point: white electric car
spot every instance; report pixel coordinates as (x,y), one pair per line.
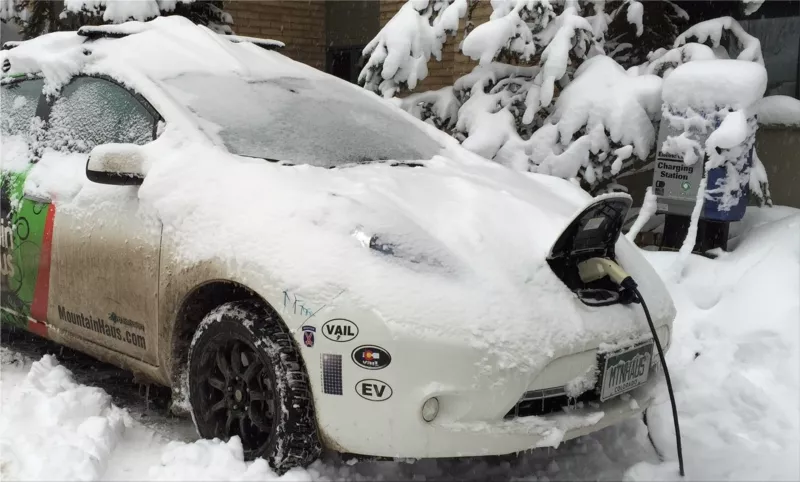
(306,265)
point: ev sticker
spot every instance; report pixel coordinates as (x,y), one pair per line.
(340,330)
(373,390)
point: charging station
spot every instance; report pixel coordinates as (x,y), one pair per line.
(675,185)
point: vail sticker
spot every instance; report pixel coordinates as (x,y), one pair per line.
(371,357)
(373,390)
(340,330)
(308,335)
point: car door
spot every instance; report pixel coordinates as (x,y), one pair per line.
(24,234)
(105,246)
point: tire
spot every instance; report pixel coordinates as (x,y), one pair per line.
(264,397)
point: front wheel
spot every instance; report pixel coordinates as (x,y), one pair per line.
(246,378)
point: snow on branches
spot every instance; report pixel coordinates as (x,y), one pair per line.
(399,55)
(42,16)
(544,96)
(602,119)
(712,31)
(114,11)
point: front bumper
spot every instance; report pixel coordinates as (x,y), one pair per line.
(519,434)
(395,428)
(377,411)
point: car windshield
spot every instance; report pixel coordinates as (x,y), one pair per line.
(321,122)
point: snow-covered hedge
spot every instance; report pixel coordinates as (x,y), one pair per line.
(544,95)
(36,17)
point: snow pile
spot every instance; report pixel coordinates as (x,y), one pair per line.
(735,357)
(52,428)
(778,110)
(76,426)
(215,460)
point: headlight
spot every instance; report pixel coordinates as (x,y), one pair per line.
(401,251)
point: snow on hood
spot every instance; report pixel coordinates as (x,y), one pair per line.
(479,234)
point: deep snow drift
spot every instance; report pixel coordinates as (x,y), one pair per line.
(734,362)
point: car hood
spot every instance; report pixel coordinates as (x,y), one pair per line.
(467,239)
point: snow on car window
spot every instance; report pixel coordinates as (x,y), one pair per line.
(301,120)
(18,105)
(94,111)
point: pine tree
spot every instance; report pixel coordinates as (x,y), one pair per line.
(37,17)
(662,22)
(563,87)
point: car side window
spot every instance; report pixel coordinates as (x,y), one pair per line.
(18,101)
(91,111)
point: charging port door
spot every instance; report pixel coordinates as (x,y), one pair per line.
(593,232)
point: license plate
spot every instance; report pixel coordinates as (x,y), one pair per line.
(625,370)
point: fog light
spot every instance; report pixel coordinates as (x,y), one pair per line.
(430,409)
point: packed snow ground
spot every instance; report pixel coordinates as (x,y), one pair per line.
(734,362)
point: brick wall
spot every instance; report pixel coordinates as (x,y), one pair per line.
(300,24)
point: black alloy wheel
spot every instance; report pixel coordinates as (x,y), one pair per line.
(237,396)
(247,379)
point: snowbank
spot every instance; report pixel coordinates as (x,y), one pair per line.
(735,361)
(76,426)
(52,428)
(778,110)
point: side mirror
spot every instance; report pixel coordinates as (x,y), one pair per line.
(120,164)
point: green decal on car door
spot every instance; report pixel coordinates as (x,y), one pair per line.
(26,226)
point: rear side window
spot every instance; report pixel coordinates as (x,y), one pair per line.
(93,111)
(18,101)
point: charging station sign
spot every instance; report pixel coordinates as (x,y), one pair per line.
(674,182)
(674,179)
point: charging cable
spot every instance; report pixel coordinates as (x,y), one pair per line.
(594,269)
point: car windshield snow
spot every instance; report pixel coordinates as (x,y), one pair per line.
(320,122)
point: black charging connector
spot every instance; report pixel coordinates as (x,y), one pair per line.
(630,284)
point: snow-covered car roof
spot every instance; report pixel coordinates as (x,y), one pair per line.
(161,48)
(250,100)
